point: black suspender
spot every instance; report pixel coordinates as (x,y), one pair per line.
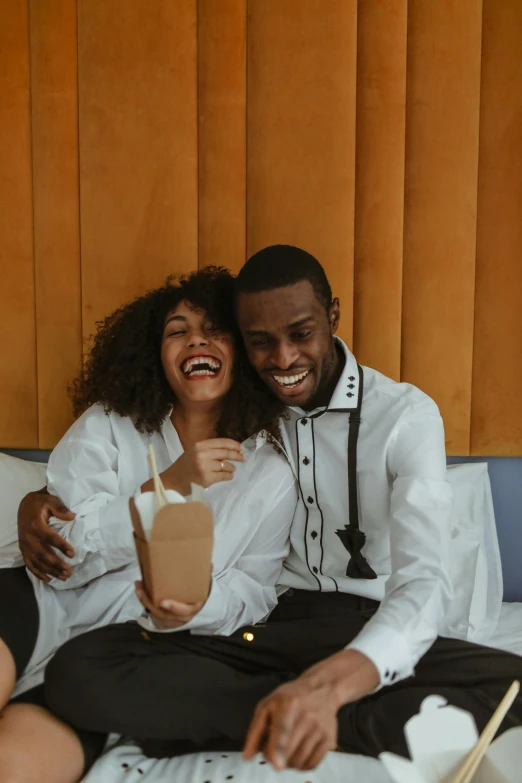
(352,538)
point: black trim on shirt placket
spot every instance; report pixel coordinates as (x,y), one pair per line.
(320,511)
(304,502)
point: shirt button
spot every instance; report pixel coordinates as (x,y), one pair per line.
(314,569)
(351,386)
(387,673)
(393,676)
(310,500)
(351,378)
(304,421)
(313,534)
(306,461)
(349,394)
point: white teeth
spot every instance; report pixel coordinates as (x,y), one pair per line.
(190,366)
(290,380)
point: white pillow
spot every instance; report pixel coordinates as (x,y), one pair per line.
(17,478)
(475,567)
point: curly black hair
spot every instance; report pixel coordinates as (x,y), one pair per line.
(123,369)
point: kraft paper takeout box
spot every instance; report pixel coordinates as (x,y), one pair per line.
(174,546)
(439,739)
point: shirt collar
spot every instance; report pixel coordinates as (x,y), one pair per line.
(346,392)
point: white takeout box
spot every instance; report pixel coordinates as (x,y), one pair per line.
(439,739)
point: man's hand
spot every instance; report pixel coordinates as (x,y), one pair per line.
(169,614)
(296,725)
(37,539)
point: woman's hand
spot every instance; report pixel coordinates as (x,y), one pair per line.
(205,463)
(169,614)
(38,541)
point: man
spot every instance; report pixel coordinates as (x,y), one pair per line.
(351,650)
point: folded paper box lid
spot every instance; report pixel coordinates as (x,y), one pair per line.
(174,546)
(439,739)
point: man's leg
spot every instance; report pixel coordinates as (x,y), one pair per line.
(162,686)
(194,690)
(469,676)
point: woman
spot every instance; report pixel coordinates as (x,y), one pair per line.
(167,370)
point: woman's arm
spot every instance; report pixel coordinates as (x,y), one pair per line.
(83,471)
(243,591)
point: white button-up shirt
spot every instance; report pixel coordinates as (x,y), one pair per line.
(405,505)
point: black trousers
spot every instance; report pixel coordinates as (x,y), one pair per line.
(19,626)
(178,693)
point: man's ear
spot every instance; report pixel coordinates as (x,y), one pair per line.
(335,315)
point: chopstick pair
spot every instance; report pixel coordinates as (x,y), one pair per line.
(471,763)
(159,489)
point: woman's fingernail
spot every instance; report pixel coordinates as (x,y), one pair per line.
(168,605)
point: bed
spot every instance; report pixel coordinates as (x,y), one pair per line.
(123,762)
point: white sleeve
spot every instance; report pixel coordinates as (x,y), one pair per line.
(83,472)
(419,590)
(244,593)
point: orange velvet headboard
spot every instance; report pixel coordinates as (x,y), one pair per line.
(140,138)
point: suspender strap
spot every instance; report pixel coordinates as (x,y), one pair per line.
(353,435)
(352,537)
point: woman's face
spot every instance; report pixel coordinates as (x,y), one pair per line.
(197,360)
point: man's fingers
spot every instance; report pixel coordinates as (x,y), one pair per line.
(52,565)
(36,570)
(315,755)
(52,538)
(302,753)
(280,732)
(256,734)
(58,510)
(300,733)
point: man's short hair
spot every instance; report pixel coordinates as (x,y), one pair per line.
(279,266)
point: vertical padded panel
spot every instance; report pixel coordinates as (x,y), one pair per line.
(18,393)
(138,147)
(379,183)
(497,366)
(56,216)
(301,133)
(222,132)
(442,131)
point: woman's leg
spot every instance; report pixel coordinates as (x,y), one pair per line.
(19,622)
(7,673)
(35,747)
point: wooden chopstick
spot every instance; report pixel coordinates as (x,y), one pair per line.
(159,489)
(470,764)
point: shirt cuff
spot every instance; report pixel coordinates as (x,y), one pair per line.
(387,649)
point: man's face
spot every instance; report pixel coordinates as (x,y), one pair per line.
(289,339)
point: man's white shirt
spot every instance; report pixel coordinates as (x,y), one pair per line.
(405,506)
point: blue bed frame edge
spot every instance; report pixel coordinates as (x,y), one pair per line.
(506,485)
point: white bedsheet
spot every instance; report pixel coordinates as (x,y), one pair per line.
(125,763)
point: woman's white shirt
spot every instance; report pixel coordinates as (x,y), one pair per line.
(99,464)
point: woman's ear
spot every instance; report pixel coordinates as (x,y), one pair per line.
(335,315)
